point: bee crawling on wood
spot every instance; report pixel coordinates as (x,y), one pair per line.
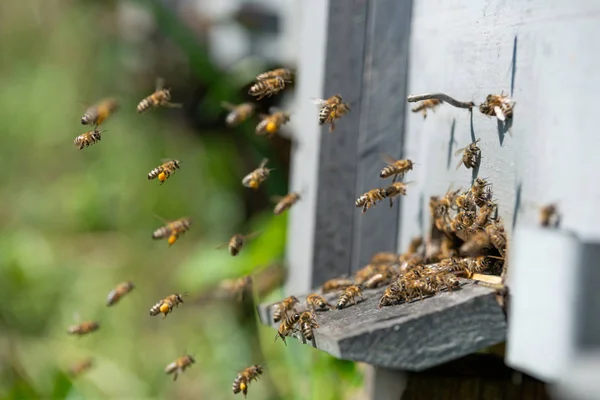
(317,302)
(287,326)
(481,192)
(173,230)
(121,290)
(164,171)
(549,216)
(424,105)
(350,294)
(286,202)
(83,328)
(370,198)
(178,366)
(471,155)
(96,114)
(395,168)
(166,305)
(237,113)
(498,105)
(331,109)
(336,284)
(87,139)
(308,322)
(160,98)
(236,242)
(258,176)
(243,379)
(272,123)
(287,304)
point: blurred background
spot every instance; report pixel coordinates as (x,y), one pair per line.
(77,223)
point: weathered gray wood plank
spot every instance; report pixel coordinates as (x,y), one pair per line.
(413,336)
(338,154)
(381,122)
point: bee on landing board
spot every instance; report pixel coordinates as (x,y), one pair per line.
(172,230)
(287,326)
(160,98)
(317,302)
(331,109)
(308,322)
(272,123)
(258,176)
(431,104)
(395,168)
(349,295)
(164,171)
(471,155)
(80,367)
(282,73)
(498,105)
(236,243)
(178,366)
(370,199)
(83,328)
(166,305)
(287,304)
(237,113)
(243,379)
(286,202)
(336,284)
(96,114)
(121,290)
(87,139)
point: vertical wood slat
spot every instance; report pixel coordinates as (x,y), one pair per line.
(338,155)
(381,122)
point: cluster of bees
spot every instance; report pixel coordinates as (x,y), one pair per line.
(267,84)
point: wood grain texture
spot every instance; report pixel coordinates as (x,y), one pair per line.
(410,337)
(338,150)
(381,122)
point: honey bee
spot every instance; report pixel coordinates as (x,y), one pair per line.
(163,171)
(237,113)
(178,366)
(160,98)
(286,202)
(370,198)
(80,367)
(87,139)
(308,322)
(272,123)
(350,294)
(421,288)
(243,379)
(287,304)
(478,192)
(497,237)
(96,114)
(83,328)
(431,104)
(331,109)
(484,215)
(471,155)
(267,87)
(121,290)
(258,176)
(499,105)
(392,295)
(317,302)
(549,215)
(464,202)
(395,168)
(236,243)
(476,244)
(236,287)
(282,73)
(396,189)
(335,284)
(446,281)
(166,305)
(173,230)
(385,257)
(376,281)
(287,326)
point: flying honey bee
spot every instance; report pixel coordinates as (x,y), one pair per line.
(431,104)
(272,123)
(317,302)
(89,138)
(370,198)
(396,189)
(267,87)
(96,114)
(258,176)
(166,305)
(549,215)
(499,105)
(336,284)
(164,171)
(471,155)
(286,202)
(237,113)
(173,230)
(308,322)
(243,379)
(396,168)
(331,109)
(79,368)
(121,290)
(83,328)
(236,243)
(287,326)
(282,73)
(350,294)
(160,98)
(178,366)
(287,304)
(236,287)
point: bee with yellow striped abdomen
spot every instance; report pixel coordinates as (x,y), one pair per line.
(96,114)
(243,379)
(166,305)
(258,176)
(395,168)
(172,230)
(121,290)
(83,328)
(272,123)
(160,98)
(237,113)
(349,295)
(164,171)
(87,139)
(282,73)
(178,366)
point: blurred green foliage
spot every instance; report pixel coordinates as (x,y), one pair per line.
(76,223)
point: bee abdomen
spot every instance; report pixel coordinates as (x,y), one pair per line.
(87,118)
(307,331)
(154,173)
(387,171)
(324,114)
(344,299)
(236,385)
(145,104)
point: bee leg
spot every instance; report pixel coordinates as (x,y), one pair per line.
(175,376)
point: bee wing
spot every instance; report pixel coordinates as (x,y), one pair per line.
(251,235)
(317,101)
(222,245)
(228,106)
(457,152)
(499,113)
(263,163)
(277,199)
(173,105)
(388,159)
(161,218)
(160,83)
